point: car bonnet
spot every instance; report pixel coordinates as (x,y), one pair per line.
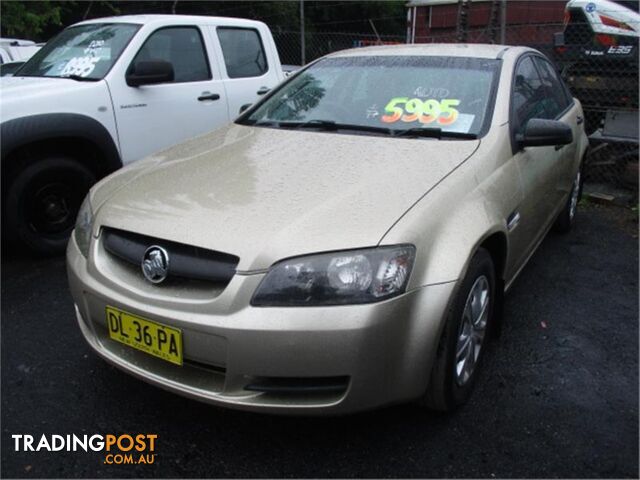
(265,194)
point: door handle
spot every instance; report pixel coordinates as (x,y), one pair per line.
(263,90)
(208,96)
(579,120)
(558,147)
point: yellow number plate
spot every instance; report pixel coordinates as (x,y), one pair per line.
(153,338)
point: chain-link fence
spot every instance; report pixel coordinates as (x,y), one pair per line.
(600,69)
(600,64)
(318,44)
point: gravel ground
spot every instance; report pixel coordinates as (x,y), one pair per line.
(558,396)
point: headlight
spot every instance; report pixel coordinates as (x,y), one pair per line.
(84,225)
(350,277)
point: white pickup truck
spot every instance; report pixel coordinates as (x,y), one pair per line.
(110,91)
(15,50)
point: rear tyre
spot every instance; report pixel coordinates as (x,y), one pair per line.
(464,338)
(42,203)
(567,216)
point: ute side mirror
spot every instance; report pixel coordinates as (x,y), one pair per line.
(149,73)
(539,132)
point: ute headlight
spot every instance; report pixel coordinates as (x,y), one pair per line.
(350,277)
(84,225)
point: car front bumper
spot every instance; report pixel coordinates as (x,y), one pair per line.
(304,360)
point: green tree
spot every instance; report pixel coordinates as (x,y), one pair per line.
(40,20)
(29,19)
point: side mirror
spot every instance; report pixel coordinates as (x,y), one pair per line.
(149,73)
(539,132)
(244,107)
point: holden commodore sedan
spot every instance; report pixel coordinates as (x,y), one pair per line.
(346,243)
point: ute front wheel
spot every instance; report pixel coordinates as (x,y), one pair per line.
(42,203)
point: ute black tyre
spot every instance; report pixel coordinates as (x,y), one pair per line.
(567,216)
(42,202)
(464,337)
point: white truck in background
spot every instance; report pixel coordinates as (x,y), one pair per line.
(15,50)
(109,91)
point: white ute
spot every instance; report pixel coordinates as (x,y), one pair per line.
(15,50)
(106,92)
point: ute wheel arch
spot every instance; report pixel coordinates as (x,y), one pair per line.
(50,160)
(26,139)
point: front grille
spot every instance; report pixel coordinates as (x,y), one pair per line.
(187,261)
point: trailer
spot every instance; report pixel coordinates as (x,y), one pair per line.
(597,55)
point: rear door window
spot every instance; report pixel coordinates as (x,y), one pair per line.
(243,52)
(554,88)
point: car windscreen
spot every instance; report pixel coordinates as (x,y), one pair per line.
(450,94)
(82,52)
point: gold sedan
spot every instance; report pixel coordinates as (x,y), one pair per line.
(345,243)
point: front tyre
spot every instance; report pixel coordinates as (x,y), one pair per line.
(464,337)
(42,203)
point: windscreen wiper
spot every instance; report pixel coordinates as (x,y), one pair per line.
(330,125)
(254,123)
(432,132)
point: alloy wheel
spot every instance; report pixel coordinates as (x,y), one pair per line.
(472,330)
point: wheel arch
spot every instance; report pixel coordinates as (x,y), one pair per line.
(64,133)
(496,244)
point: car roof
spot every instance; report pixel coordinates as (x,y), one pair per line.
(171,20)
(474,50)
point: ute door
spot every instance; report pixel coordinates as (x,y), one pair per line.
(539,168)
(247,74)
(153,117)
